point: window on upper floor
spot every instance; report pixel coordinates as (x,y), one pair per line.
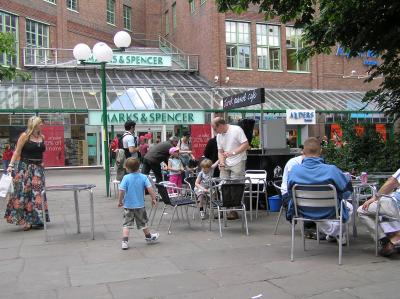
(111,12)
(237,45)
(294,43)
(51,1)
(37,36)
(127,17)
(9,23)
(166,17)
(192,4)
(268,47)
(72,5)
(174,25)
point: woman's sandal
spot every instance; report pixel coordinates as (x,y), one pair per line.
(388,249)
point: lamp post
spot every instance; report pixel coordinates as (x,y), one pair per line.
(102,54)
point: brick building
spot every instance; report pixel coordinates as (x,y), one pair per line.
(254,52)
(212,55)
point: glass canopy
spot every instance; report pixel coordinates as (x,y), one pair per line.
(79,90)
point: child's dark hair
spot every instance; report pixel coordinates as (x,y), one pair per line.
(132,164)
(206,163)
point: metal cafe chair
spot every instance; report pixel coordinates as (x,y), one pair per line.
(258,181)
(277,186)
(184,198)
(316,197)
(231,199)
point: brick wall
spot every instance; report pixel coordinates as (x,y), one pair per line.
(203,33)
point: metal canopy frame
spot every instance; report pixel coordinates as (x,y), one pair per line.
(79,90)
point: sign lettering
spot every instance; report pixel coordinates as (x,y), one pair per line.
(244,99)
(137,60)
(300,117)
(148,117)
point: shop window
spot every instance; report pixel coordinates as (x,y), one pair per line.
(127,17)
(268,47)
(174,24)
(237,45)
(72,5)
(294,43)
(192,5)
(9,23)
(37,39)
(166,17)
(111,12)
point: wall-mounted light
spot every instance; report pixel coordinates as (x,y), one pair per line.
(354,75)
(227,79)
(216,78)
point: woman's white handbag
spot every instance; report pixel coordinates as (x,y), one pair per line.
(5,184)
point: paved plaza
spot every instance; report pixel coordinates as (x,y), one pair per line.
(191,263)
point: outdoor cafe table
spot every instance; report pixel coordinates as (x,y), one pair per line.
(357,188)
(75,188)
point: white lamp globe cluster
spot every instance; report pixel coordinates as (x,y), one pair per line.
(101,51)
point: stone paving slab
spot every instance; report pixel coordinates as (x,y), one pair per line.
(191,263)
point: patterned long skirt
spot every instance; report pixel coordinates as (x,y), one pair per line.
(25,203)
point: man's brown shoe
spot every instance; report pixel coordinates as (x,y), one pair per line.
(387,250)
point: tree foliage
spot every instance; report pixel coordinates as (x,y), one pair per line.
(9,72)
(357,25)
(367,152)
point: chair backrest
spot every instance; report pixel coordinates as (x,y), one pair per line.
(315,197)
(163,192)
(191,180)
(257,176)
(232,193)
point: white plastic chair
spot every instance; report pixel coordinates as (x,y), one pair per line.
(114,182)
(258,179)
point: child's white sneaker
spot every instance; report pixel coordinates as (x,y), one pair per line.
(153,238)
(124,245)
(202,215)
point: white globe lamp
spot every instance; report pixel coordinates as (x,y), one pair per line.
(102,52)
(82,52)
(122,39)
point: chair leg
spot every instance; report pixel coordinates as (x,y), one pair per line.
(292,248)
(245,219)
(277,221)
(317,227)
(340,241)
(258,197)
(170,223)
(162,214)
(347,234)
(302,235)
(219,222)
(187,215)
(225,219)
(155,209)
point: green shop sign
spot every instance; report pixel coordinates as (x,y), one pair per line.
(158,117)
(137,60)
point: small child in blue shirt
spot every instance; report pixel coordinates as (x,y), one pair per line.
(131,197)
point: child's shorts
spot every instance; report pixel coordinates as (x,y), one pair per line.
(135,215)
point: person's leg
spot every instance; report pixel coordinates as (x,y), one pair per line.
(128,223)
(367,217)
(5,166)
(146,167)
(141,223)
(238,171)
(331,228)
(156,168)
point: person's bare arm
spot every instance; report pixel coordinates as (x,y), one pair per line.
(17,153)
(153,196)
(387,188)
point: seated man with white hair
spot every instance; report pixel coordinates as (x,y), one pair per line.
(314,171)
